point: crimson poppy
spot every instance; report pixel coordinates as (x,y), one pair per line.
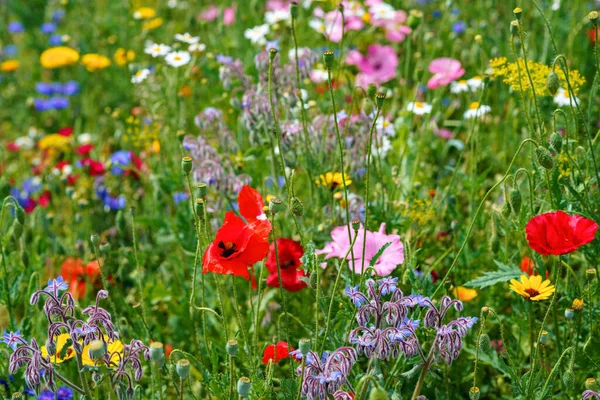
(559,233)
(528,266)
(289,260)
(276,352)
(95,168)
(240,244)
(79,275)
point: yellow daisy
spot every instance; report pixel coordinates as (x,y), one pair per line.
(332,180)
(60,356)
(532,288)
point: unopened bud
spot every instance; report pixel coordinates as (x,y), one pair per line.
(183,368)
(297,207)
(485,309)
(232,347)
(379,98)
(569,378)
(186,165)
(569,313)
(304,345)
(556,141)
(552,83)
(96,377)
(515,200)
(328,58)
(484,343)
(51,347)
(157,352)
(378,393)
(20,215)
(590,274)
(505,210)
(275,205)
(243,386)
(272,53)
(180,135)
(474,393)
(544,157)
(97,349)
(95,239)
(104,247)
(591,384)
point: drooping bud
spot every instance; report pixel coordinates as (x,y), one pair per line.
(96,377)
(16,229)
(569,378)
(186,165)
(515,200)
(556,141)
(20,215)
(97,349)
(474,393)
(378,393)
(183,368)
(544,157)
(379,98)
(297,207)
(51,347)
(484,343)
(304,345)
(328,58)
(157,352)
(232,347)
(518,12)
(505,210)
(243,386)
(552,83)
(275,205)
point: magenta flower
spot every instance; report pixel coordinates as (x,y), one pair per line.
(277,5)
(388,260)
(209,14)
(229,15)
(377,67)
(444,70)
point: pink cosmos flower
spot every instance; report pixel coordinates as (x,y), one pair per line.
(387,262)
(333,23)
(277,5)
(444,70)
(378,67)
(396,30)
(209,14)
(229,15)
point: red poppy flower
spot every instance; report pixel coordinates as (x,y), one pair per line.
(559,233)
(528,266)
(276,352)
(239,244)
(289,261)
(95,168)
(84,149)
(44,199)
(593,33)
(65,131)
(79,276)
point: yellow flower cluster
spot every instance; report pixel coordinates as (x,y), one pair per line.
(95,62)
(58,57)
(509,73)
(419,211)
(123,56)
(141,135)
(10,66)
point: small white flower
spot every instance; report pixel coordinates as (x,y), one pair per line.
(273,17)
(257,34)
(24,142)
(178,58)
(84,138)
(385,127)
(140,76)
(562,98)
(555,5)
(317,24)
(459,86)
(476,110)
(419,108)
(318,75)
(197,48)
(475,83)
(382,11)
(172,3)
(156,49)
(187,38)
(385,145)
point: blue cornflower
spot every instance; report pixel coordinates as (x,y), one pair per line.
(272,45)
(46,395)
(59,103)
(64,393)
(48,28)
(10,50)
(459,27)
(58,15)
(55,40)
(15,27)
(44,88)
(223,59)
(180,197)
(119,159)
(70,88)
(41,105)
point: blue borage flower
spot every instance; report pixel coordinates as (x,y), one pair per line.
(56,285)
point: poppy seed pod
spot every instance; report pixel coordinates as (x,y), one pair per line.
(593,16)
(552,83)
(484,343)
(275,205)
(544,157)
(156,352)
(232,347)
(379,98)
(294,9)
(556,141)
(569,313)
(328,57)
(243,386)
(514,27)
(104,247)
(515,200)
(591,384)
(183,368)
(95,239)
(474,393)
(304,345)
(518,12)
(272,53)
(544,337)
(590,274)
(202,190)
(200,208)
(186,165)
(180,135)
(355,224)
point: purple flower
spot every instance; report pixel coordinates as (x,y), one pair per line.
(55,40)
(41,104)
(590,394)
(180,197)
(46,395)
(10,50)
(387,285)
(119,159)
(64,393)
(459,27)
(12,339)
(274,44)
(48,28)
(222,59)
(15,27)
(59,103)
(44,88)
(70,88)
(328,374)
(58,15)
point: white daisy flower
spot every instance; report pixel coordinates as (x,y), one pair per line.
(318,25)
(84,138)
(419,108)
(385,145)
(257,34)
(187,38)
(197,48)
(562,98)
(476,110)
(172,3)
(459,86)
(273,17)
(140,76)
(178,58)
(156,49)
(24,142)
(385,127)
(382,11)
(475,83)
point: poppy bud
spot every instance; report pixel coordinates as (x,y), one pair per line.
(505,210)
(544,157)
(180,135)
(406,276)
(202,190)
(183,368)
(371,90)
(272,53)
(516,200)
(552,83)
(518,12)
(243,386)
(378,393)
(569,378)
(414,18)
(312,279)
(120,222)
(297,207)
(200,208)
(186,165)
(97,349)
(591,384)
(379,98)
(485,309)
(544,337)
(556,141)
(25,258)
(474,393)
(157,352)
(514,27)
(328,57)
(275,205)
(593,16)
(104,247)
(304,345)
(484,343)
(569,313)
(95,239)
(294,10)
(20,215)
(232,347)
(590,274)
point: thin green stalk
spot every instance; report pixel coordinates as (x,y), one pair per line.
(220,295)
(241,320)
(180,389)
(275,120)
(281,292)
(426,366)
(104,280)
(139,275)
(4,269)
(301,378)
(231,370)
(317,287)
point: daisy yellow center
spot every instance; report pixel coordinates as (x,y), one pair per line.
(418,104)
(566,94)
(177,58)
(474,105)
(462,82)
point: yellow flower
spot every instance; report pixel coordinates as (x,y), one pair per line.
(123,56)
(95,62)
(54,141)
(577,305)
(532,288)
(465,294)
(58,57)
(332,180)
(10,66)
(144,13)
(114,350)
(152,24)
(61,354)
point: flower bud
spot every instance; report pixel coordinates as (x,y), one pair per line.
(552,83)
(297,207)
(104,247)
(569,313)
(200,208)
(414,18)
(304,345)
(544,337)
(505,210)
(272,53)
(590,274)
(514,27)
(568,378)
(355,224)
(51,347)
(17,395)
(97,349)
(20,215)
(591,384)
(96,377)
(379,98)
(371,90)
(157,352)
(202,190)
(515,200)
(484,343)
(294,10)
(183,368)
(95,239)
(485,309)
(328,58)
(275,205)
(593,16)
(544,157)
(186,165)
(474,393)
(180,135)
(556,141)
(16,229)
(232,347)
(518,12)
(243,386)
(577,305)
(378,393)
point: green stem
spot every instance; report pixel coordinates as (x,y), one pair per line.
(426,366)
(241,320)
(281,292)
(139,274)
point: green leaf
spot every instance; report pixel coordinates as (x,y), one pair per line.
(504,274)
(379,253)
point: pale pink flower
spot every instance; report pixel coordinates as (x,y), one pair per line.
(379,66)
(277,5)
(396,30)
(229,15)
(388,260)
(444,70)
(209,14)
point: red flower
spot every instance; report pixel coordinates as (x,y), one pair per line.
(65,131)
(79,275)
(239,245)
(276,352)
(84,149)
(528,266)
(559,233)
(95,168)
(289,261)
(593,33)
(44,199)
(12,146)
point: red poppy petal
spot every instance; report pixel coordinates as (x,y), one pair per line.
(251,203)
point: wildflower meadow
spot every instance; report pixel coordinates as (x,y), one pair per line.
(311,199)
